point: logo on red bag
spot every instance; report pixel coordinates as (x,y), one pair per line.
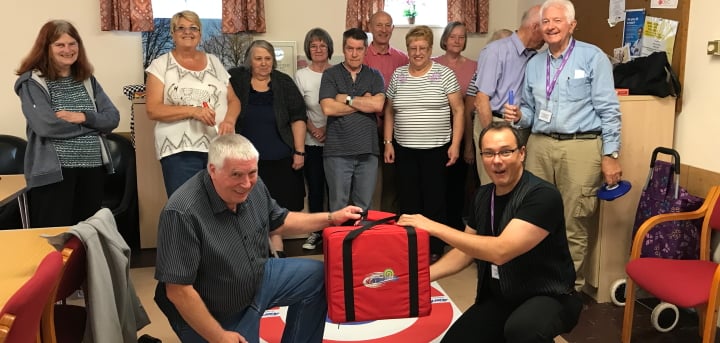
(378,279)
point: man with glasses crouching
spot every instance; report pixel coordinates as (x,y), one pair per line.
(516,235)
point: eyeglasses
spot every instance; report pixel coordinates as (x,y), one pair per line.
(502,153)
(193,29)
(418,48)
(318,47)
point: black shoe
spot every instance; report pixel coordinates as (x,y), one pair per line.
(148,339)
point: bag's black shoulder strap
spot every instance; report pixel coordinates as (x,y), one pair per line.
(677,88)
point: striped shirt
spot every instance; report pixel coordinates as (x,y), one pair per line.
(220,252)
(67,94)
(422,110)
(355,133)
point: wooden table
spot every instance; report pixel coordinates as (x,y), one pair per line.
(13,187)
(21,253)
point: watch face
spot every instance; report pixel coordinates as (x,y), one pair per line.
(615,155)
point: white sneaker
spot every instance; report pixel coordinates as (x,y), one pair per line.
(312,241)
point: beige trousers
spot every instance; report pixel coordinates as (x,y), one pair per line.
(574,167)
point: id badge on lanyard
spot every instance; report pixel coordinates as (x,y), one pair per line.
(545,113)
(494,271)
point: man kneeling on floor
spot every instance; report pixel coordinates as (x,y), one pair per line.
(215,277)
(516,235)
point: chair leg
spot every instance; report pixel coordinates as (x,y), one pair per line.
(629,311)
(709,316)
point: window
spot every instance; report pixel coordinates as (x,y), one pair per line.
(205,9)
(230,48)
(429,12)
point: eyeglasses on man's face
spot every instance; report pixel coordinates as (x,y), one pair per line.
(505,153)
(193,29)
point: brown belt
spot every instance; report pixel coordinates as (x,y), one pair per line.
(579,135)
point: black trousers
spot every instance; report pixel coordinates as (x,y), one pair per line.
(538,319)
(421,183)
(77,197)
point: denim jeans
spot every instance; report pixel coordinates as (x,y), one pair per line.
(294,282)
(351,180)
(178,168)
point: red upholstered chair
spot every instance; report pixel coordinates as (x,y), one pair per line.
(20,317)
(64,322)
(685,283)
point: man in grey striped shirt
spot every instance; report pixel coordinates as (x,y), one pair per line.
(215,277)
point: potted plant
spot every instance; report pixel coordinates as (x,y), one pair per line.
(410,11)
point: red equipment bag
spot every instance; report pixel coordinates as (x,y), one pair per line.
(379,270)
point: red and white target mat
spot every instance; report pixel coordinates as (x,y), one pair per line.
(424,329)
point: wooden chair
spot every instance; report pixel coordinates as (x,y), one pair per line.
(685,283)
(20,317)
(62,322)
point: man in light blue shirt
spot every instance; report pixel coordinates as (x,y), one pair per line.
(570,104)
(500,71)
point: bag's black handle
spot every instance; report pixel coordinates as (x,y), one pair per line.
(354,233)
(676,166)
(666,151)
(348,267)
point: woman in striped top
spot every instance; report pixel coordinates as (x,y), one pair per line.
(423,129)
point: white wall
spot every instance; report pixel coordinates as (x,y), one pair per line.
(698,126)
(117,57)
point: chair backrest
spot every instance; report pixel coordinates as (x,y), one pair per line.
(12,154)
(74,274)
(75,270)
(27,304)
(714,221)
(121,184)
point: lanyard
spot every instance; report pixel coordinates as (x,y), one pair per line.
(550,86)
(492,212)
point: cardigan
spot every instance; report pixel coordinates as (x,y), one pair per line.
(288,102)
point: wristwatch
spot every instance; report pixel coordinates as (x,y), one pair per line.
(389,141)
(614,155)
(348,100)
(299,153)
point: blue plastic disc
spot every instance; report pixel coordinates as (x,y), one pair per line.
(614,192)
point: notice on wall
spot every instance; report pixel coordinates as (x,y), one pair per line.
(633,32)
(659,35)
(664,4)
(286,56)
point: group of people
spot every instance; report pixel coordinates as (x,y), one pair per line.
(234,146)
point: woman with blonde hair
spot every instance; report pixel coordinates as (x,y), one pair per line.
(190,97)
(423,130)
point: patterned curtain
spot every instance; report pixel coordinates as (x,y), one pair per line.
(243,16)
(126,15)
(473,13)
(359,11)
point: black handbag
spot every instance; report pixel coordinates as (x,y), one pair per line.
(649,75)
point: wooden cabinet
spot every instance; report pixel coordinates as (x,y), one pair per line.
(647,122)
(151,187)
